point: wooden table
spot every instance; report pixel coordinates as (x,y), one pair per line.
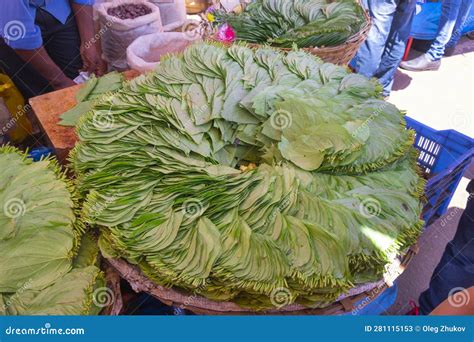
(48,107)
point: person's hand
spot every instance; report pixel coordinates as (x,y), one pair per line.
(62,82)
(90,45)
(92,61)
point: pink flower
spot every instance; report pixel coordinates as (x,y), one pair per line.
(225,33)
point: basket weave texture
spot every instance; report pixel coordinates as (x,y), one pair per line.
(342,54)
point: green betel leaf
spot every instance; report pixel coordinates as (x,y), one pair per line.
(88,253)
(92,91)
(71,295)
(39,257)
(86,89)
(72,116)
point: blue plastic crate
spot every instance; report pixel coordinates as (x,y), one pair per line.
(375,306)
(38,153)
(444,157)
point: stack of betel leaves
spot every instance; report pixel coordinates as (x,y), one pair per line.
(304,23)
(91,92)
(47,263)
(232,173)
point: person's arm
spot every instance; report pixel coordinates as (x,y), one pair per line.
(459,304)
(40,61)
(90,45)
(20,32)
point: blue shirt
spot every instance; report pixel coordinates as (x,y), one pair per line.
(17,20)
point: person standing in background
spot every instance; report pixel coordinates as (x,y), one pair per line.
(45,43)
(454,14)
(380,55)
(451,287)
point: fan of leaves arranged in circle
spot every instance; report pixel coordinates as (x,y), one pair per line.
(47,262)
(231,172)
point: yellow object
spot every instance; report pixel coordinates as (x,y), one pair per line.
(210,17)
(196,6)
(249,167)
(19,127)
(238,9)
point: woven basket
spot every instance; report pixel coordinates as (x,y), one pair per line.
(200,305)
(340,54)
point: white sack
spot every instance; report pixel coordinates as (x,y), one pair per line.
(118,34)
(173,13)
(144,53)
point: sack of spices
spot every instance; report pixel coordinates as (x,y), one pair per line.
(123,21)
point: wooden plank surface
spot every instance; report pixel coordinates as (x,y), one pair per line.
(48,107)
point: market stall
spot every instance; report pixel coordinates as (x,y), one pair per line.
(245,173)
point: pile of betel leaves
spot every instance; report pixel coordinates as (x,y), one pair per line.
(47,262)
(232,172)
(304,23)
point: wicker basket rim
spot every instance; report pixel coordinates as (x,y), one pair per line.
(196,303)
